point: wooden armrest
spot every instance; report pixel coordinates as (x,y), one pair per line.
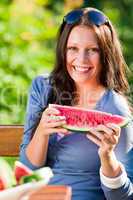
(10,139)
(51,192)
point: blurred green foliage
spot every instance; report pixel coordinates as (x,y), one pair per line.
(27,45)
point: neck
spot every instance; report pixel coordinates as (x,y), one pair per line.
(89,94)
(93,87)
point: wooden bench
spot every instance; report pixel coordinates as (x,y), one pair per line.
(51,193)
(10,139)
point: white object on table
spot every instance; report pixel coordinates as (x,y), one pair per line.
(16,193)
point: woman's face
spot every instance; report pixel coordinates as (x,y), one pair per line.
(83,55)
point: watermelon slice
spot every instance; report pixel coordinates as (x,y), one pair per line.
(24,174)
(1,185)
(21,170)
(43,173)
(7,178)
(29,178)
(80,119)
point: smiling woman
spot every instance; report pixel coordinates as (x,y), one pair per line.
(83,64)
(83,56)
(89,72)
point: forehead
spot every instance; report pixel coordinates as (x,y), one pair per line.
(82,34)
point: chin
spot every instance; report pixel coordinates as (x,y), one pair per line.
(80,80)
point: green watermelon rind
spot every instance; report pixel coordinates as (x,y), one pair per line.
(39,174)
(124,120)
(75,128)
(29,178)
(124,123)
(127,121)
(87,129)
(6,174)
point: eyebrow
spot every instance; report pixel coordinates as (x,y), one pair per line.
(75,44)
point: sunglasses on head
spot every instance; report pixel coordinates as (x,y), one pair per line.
(94,17)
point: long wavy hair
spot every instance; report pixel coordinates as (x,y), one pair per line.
(113,72)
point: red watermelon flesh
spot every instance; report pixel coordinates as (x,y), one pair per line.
(1,185)
(80,119)
(21,170)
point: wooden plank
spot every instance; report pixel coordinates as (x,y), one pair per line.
(51,192)
(10,139)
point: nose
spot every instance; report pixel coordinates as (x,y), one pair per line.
(81,58)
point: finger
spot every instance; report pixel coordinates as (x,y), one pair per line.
(59,130)
(104,129)
(93,139)
(96,133)
(111,140)
(55,124)
(108,142)
(49,111)
(116,129)
(54,118)
(63,131)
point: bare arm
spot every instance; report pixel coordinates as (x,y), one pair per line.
(107,137)
(36,151)
(109,165)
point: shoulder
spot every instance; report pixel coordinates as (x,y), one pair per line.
(41,89)
(118,104)
(41,83)
(40,80)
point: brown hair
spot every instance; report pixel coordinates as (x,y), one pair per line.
(113,72)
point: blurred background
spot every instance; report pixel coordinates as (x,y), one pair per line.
(28,31)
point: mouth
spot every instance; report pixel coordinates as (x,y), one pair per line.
(82,69)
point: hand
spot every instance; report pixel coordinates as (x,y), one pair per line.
(106,137)
(52,122)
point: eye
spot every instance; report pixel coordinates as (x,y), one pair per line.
(72,48)
(93,50)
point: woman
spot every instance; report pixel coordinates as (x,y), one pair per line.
(90,73)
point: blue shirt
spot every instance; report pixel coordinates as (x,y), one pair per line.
(74,158)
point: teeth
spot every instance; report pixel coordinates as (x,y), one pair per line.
(81,69)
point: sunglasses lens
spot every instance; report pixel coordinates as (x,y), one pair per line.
(73,16)
(97,18)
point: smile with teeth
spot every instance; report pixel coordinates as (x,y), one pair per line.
(81,69)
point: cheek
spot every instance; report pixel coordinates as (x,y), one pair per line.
(70,57)
(96,60)
(68,62)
